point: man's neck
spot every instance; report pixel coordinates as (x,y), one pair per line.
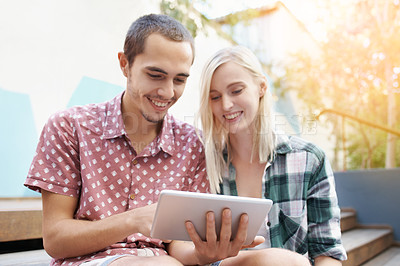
(141,135)
(140,131)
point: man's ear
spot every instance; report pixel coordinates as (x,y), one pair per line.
(123,63)
(263,87)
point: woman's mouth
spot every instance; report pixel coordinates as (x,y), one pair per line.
(232,116)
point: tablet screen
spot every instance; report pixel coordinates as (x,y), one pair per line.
(176,207)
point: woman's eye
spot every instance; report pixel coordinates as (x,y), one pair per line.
(214,98)
(237,91)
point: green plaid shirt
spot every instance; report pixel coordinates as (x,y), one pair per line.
(305,216)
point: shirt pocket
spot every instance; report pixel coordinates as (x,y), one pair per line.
(293,229)
(173,182)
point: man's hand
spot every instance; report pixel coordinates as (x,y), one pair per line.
(143,218)
(213,249)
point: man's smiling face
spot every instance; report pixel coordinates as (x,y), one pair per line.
(157,78)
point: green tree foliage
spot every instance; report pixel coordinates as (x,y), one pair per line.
(355,71)
(183,11)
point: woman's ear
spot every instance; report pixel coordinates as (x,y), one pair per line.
(123,63)
(263,87)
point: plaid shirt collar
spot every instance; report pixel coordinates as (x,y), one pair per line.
(283,144)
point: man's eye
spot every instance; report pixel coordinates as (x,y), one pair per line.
(154,76)
(180,81)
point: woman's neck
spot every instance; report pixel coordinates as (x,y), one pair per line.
(249,170)
(242,147)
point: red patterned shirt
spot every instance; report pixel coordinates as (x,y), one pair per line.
(84,152)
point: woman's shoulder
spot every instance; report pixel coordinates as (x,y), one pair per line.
(295,144)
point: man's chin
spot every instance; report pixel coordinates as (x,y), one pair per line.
(155,119)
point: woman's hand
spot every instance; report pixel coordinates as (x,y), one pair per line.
(213,249)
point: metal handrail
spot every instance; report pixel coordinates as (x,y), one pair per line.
(360,120)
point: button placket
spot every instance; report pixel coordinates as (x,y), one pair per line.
(132,195)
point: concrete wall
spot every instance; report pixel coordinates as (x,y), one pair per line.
(375,194)
(55,54)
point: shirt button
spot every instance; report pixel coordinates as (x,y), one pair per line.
(132,196)
(269,223)
(135,161)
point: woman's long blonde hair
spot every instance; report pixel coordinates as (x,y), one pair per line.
(215,137)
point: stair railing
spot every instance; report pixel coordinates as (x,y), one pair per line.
(360,120)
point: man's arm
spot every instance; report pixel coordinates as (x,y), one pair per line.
(64,236)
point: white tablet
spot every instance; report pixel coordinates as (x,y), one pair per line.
(176,207)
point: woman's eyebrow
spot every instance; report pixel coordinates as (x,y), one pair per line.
(234,84)
(229,86)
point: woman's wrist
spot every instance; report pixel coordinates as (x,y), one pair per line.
(183,251)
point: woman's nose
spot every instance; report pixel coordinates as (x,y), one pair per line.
(227,103)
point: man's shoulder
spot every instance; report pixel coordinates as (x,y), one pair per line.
(81,112)
(89,113)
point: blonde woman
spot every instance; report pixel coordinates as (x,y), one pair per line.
(246,158)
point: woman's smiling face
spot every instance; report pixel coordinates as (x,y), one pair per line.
(234,97)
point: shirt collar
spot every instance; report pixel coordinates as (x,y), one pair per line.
(166,138)
(114,127)
(283,144)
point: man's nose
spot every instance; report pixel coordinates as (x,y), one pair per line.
(167,90)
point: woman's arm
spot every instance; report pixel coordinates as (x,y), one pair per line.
(326,261)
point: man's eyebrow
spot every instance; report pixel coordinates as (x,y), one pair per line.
(157,69)
(183,74)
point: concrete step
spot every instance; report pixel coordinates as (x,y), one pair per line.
(348,219)
(31,258)
(26,215)
(390,257)
(20,219)
(366,242)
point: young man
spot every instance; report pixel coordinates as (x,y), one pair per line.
(101,167)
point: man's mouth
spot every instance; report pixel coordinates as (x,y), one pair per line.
(159,104)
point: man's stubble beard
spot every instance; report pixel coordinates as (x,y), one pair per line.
(150,119)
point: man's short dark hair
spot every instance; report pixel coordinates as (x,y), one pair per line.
(164,25)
